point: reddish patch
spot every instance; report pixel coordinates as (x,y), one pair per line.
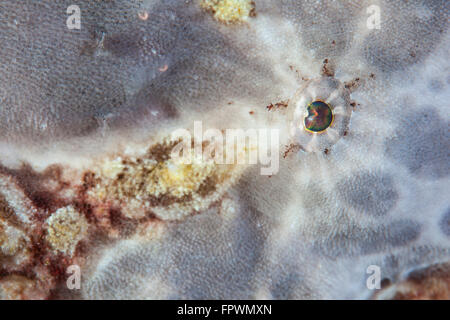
(278,105)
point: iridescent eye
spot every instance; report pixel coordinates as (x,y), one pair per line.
(319,116)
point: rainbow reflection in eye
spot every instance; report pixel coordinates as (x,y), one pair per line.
(319,116)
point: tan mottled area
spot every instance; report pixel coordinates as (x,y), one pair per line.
(432,283)
(65,228)
(378,196)
(168,186)
(12,240)
(17,287)
(14,245)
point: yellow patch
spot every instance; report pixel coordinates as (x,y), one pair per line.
(158,183)
(229,11)
(65,228)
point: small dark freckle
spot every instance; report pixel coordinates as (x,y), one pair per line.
(345,133)
(253,10)
(385,282)
(333,42)
(231,102)
(326,151)
(351,85)
(327,70)
(353,104)
(372,76)
(251,112)
(413,54)
(89,180)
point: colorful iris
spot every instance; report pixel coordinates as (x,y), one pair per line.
(319,116)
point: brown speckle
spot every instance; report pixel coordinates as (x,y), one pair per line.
(352,85)
(281,104)
(291,148)
(432,283)
(327,69)
(253,10)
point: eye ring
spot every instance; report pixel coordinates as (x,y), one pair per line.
(334,98)
(320,109)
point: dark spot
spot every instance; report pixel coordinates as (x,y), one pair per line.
(284,285)
(445,223)
(436,85)
(359,241)
(385,283)
(369,193)
(422,143)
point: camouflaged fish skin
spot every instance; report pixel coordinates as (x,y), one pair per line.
(86,176)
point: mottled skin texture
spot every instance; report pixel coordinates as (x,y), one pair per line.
(378,196)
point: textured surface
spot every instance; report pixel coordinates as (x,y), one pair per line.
(377,196)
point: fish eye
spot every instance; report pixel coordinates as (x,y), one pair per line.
(321,112)
(319,117)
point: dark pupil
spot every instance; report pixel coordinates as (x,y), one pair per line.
(319,116)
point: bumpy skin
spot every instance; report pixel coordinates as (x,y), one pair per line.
(377,196)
